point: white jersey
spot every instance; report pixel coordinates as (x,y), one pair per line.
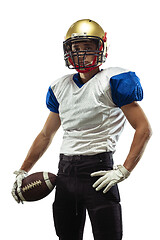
(91,121)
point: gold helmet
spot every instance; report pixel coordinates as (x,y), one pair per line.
(85,30)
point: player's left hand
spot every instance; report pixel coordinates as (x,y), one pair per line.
(109,178)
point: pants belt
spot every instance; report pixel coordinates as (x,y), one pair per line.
(105,155)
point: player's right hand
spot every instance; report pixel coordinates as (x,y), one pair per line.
(20,175)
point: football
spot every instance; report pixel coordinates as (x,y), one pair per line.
(37,186)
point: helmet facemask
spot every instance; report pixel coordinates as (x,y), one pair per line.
(76,59)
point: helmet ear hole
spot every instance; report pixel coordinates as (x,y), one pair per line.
(105,37)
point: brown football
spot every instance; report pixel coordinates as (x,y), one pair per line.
(37,186)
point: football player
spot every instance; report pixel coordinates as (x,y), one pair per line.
(92,106)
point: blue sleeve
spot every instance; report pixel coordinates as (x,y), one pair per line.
(51,101)
(126,88)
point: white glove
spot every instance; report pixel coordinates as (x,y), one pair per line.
(20,175)
(110,178)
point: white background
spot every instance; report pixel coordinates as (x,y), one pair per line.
(31,57)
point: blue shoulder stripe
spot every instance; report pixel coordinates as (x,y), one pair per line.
(126,88)
(51,101)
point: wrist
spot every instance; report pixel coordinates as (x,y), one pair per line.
(124,171)
(20,171)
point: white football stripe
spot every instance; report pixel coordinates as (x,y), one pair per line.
(47,180)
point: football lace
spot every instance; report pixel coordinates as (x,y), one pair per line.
(32,185)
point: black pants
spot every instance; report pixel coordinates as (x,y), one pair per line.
(75,194)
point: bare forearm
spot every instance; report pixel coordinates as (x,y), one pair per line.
(42,141)
(139,143)
(37,149)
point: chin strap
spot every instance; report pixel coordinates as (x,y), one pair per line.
(87,69)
